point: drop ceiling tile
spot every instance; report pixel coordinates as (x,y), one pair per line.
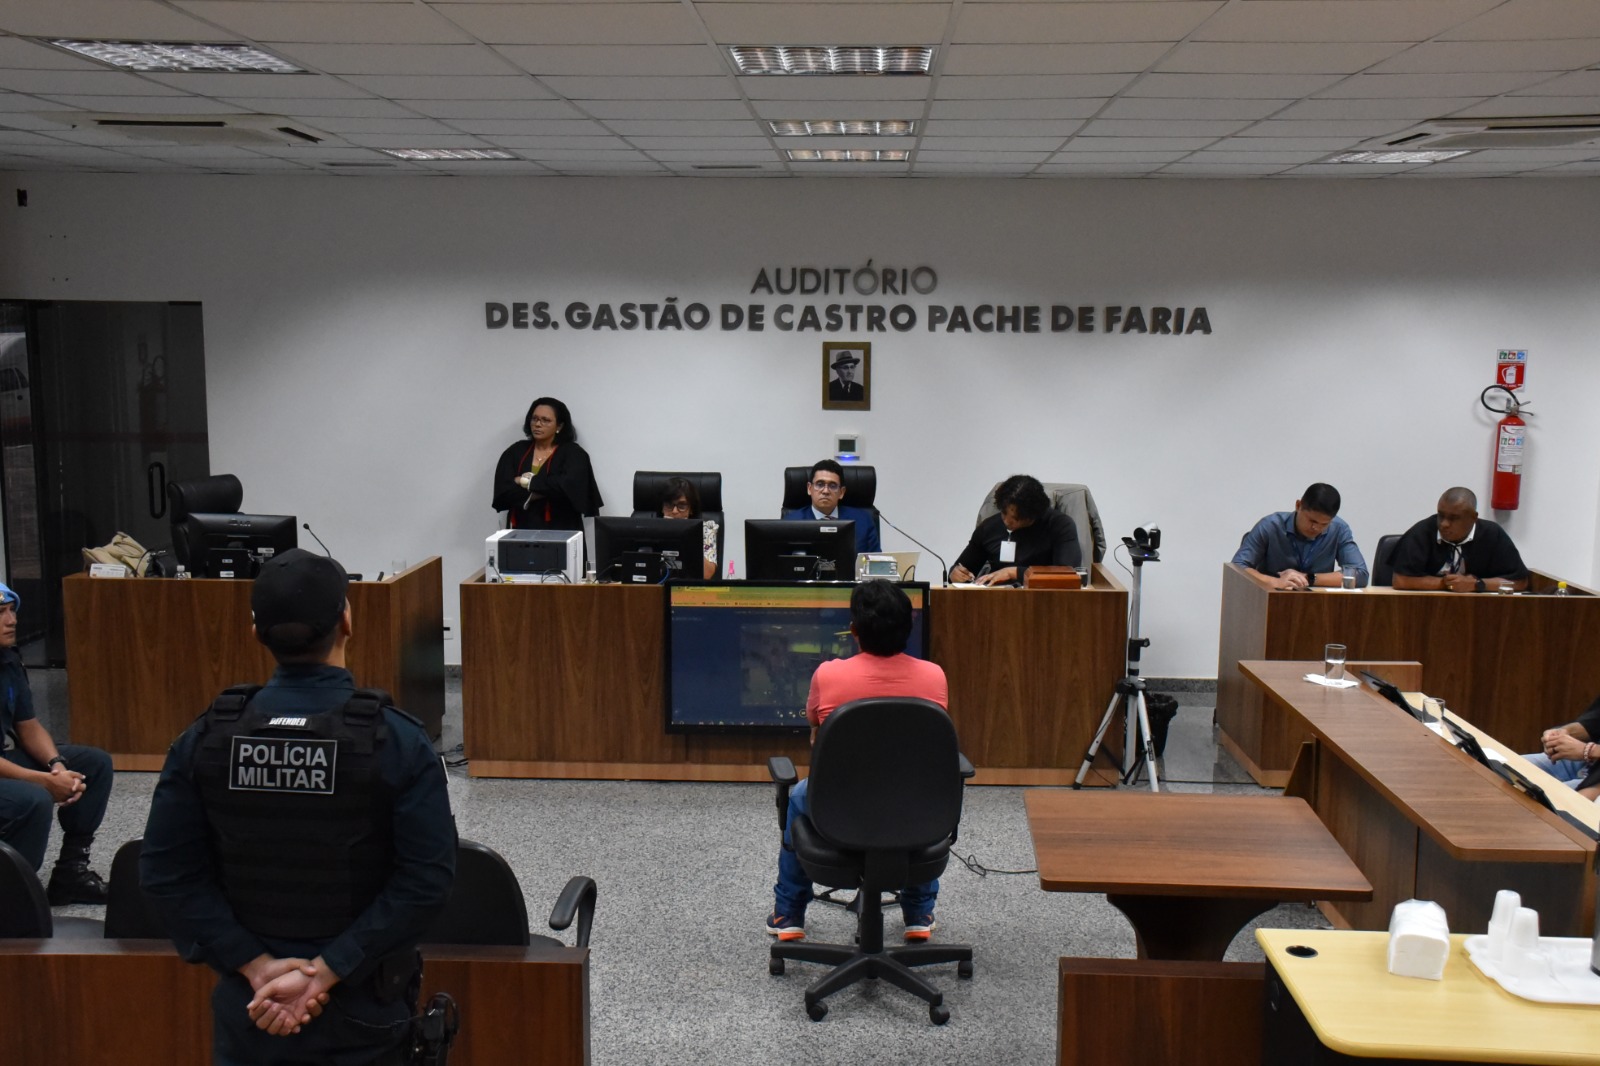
(978,145)
(1507,106)
(747,155)
(591,23)
(1354,128)
(1576,169)
(415,140)
(1153,159)
(1014,59)
(451,87)
(1339,20)
(1238,170)
(1174,128)
(1032,23)
(620,166)
(600,143)
(805,23)
(21,102)
(974,170)
(259,86)
(144,20)
(943,156)
(1146,108)
(1354,170)
(1577,83)
(617,59)
(577,88)
(536,127)
(148,105)
(397,58)
(676,128)
(1355,110)
(19,54)
(851,88)
(77,154)
(1012,110)
(515,109)
(754,143)
(11,139)
(1231,86)
(1098,170)
(1032,87)
(1531,156)
(1277,158)
(1200,57)
(326,154)
(1525,20)
(667,109)
(1443,57)
(836,109)
(349,108)
(1136,144)
(1000,128)
(327,21)
(1385,86)
(82,82)
(340,124)
(1320,145)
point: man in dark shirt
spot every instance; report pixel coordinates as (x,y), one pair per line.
(300,842)
(38,776)
(1456,551)
(1027,532)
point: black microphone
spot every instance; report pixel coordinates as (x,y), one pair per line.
(307,527)
(944,571)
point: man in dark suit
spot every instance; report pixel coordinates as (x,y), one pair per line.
(826,489)
(844,386)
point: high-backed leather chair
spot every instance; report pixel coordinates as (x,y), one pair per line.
(217,494)
(129,913)
(882,809)
(24,910)
(486,904)
(1383,559)
(860,488)
(1077,503)
(649,485)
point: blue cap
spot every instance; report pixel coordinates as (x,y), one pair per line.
(7,596)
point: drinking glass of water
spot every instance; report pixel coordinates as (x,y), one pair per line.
(1333,662)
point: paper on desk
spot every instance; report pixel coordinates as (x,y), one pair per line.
(1343,682)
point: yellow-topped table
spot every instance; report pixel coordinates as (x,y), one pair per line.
(1355,1009)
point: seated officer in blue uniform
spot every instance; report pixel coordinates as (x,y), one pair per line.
(300,842)
(39,776)
(826,489)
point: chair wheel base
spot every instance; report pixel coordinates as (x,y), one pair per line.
(775,967)
(938,1014)
(964,969)
(819,1011)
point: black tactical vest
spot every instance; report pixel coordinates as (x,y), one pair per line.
(301,820)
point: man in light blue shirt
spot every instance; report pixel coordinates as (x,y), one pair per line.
(1304,547)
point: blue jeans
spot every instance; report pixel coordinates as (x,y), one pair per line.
(1567,771)
(793,891)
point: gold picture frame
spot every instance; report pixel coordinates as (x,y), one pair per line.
(846,376)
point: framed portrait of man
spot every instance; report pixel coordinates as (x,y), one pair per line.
(846,376)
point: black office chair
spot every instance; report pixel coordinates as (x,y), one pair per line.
(860,489)
(24,910)
(883,806)
(648,486)
(486,904)
(1383,559)
(129,912)
(217,494)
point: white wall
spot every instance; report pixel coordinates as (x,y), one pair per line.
(351,379)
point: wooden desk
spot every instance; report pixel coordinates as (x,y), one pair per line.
(1344,1005)
(135,1003)
(567,681)
(147,656)
(1188,870)
(1420,818)
(1514,664)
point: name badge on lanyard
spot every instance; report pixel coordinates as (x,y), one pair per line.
(1008,551)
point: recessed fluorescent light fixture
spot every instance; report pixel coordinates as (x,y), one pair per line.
(848,155)
(425,155)
(1395,157)
(195,57)
(893,127)
(831,59)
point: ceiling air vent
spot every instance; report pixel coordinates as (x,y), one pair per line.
(1533,131)
(244,131)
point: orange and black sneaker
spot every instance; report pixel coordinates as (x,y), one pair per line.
(785,928)
(919,927)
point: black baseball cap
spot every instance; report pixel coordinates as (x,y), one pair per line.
(297,599)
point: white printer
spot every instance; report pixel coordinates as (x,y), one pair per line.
(533,556)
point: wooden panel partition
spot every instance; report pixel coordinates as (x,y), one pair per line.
(1114,1012)
(135,1003)
(1515,665)
(148,655)
(568,681)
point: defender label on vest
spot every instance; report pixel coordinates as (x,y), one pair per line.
(281,764)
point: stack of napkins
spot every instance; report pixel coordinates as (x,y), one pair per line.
(1419,940)
(1343,682)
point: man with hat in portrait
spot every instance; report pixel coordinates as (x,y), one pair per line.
(300,842)
(843,385)
(39,776)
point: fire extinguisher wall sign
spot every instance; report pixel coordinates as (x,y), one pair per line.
(1512,365)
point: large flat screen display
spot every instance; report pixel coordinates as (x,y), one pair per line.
(740,656)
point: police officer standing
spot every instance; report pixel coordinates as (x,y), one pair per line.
(300,841)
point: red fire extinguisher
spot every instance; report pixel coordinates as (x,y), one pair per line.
(1510,434)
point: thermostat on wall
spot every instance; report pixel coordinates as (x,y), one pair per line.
(847,447)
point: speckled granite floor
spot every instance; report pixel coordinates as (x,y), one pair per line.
(679,969)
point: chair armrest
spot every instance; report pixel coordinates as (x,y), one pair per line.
(781,769)
(575,901)
(967,769)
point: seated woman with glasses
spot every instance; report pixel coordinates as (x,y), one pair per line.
(546,481)
(826,489)
(680,499)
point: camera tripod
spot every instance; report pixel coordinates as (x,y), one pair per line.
(1138,751)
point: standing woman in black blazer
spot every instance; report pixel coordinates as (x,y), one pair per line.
(546,480)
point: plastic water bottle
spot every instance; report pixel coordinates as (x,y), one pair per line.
(182,572)
(1562,590)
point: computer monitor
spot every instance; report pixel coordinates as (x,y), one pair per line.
(740,655)
(235,545)
(648,550)
(795,549)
